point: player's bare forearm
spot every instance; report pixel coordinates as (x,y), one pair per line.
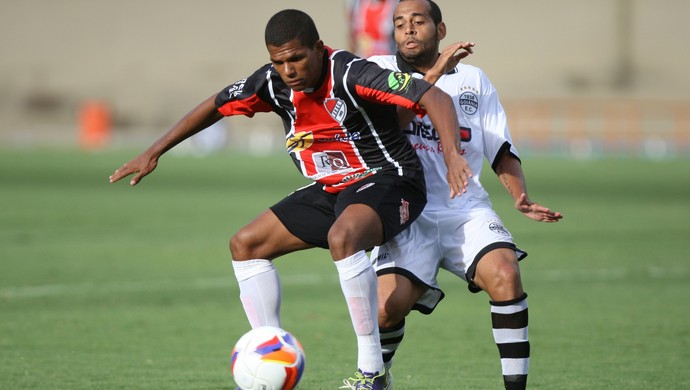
(510,174)
(202,116)
(442,113)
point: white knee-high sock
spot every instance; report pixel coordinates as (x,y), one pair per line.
(358,282)
(260,291)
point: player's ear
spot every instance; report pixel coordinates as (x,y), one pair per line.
(441,28)
(319,47)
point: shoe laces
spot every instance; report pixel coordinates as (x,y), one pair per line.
(360,381)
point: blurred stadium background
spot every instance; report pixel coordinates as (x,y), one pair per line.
(577,78)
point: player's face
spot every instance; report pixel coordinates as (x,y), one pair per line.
(299,66)
(415,34)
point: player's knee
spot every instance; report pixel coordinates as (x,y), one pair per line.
(507,273)
(243,245)
(391,312)
(389,318)
(340,243)
(504,282)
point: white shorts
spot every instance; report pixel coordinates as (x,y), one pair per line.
(449,239)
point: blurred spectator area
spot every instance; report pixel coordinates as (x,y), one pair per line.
(582,77)
(592,127)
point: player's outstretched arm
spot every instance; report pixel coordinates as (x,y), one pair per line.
(201,117)
(445,120)
(509,171)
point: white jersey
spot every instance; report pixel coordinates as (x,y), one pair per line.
(483,133)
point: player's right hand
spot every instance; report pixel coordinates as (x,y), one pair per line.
(141,166)
(458,175)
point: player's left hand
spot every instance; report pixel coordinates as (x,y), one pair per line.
(536,211)
(451,56)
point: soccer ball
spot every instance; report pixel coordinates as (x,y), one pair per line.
(267,358)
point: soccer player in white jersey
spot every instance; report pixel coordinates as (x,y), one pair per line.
(462,235)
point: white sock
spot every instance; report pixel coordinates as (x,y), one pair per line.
(259,291)
(358,282)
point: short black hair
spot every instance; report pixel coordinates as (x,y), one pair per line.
(291,24)
(434,12)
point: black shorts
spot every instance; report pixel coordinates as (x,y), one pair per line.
(309,212)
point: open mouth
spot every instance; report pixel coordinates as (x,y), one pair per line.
(411,44)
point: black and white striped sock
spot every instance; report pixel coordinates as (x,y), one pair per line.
(509,320)
(390,341)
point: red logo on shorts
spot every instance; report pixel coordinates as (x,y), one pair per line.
(404,211)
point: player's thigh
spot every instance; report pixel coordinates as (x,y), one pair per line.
(264,238)
(308,214)
(396,201)
(357,228)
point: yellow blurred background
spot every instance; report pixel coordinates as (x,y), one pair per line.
(578,78)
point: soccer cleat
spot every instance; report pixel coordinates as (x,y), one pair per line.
(366,381)
(388,380)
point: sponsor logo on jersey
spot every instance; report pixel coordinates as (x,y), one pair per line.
(360,175)
(497,227)
(330,161)
(404,211)
(381,256)
(354,136)
(428,132)
(336,108)
(469,103)
(236,88)
(299,142)
(465,134)
(364,187)
(399,81)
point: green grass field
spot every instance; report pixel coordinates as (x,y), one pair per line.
(110,287)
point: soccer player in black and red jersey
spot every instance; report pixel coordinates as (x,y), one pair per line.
(341,126)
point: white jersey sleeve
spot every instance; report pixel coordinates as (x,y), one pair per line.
(493,123)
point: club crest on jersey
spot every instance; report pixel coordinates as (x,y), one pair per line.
(469,103)
(299,141)
(236,88)
(399,81)
(497,227)
(336,108)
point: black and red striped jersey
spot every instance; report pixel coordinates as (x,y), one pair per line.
(343,130)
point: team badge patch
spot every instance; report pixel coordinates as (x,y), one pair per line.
(399,81)
(469,103)
(336,108)
(299,142)
(497,227)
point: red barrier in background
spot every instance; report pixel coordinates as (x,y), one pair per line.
(95,124)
